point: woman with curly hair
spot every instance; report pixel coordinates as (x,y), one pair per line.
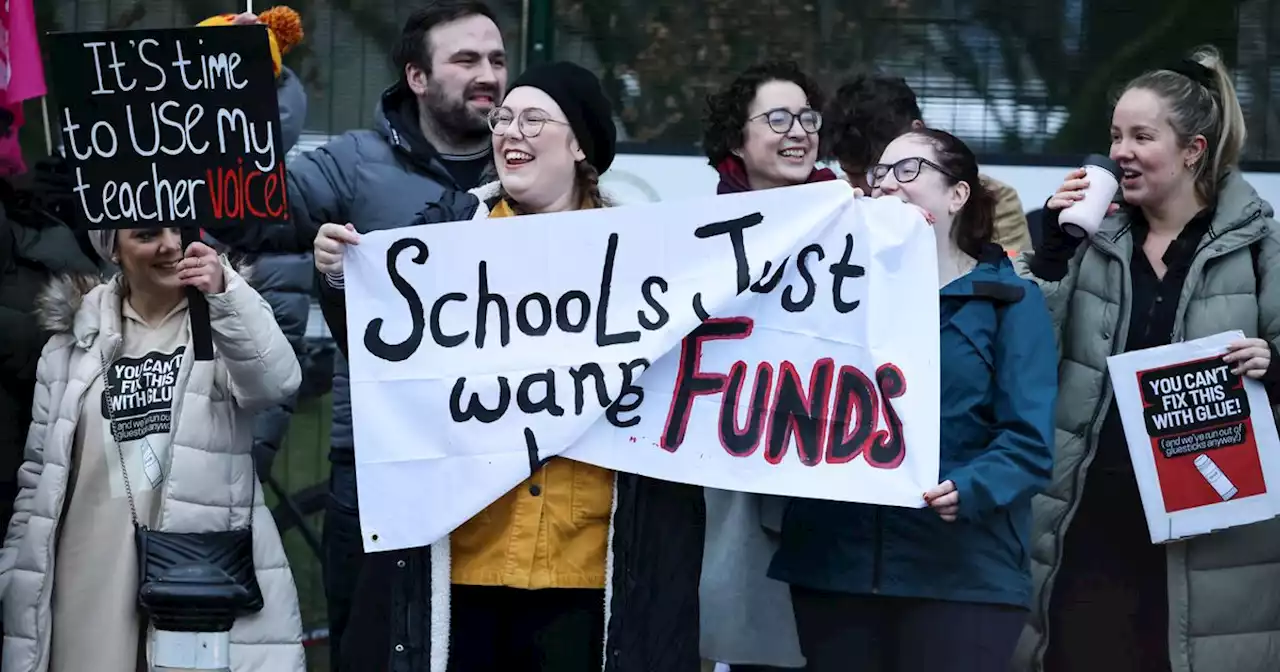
(760,132)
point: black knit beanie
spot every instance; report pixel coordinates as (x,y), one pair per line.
(578,92)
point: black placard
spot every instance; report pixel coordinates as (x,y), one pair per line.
(176,127)
(1194,406)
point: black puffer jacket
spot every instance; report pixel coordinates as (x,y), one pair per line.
(33,248)
(656,560)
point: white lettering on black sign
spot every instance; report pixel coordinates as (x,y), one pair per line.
(166,127)
(1194,407)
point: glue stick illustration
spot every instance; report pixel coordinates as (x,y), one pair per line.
(1226,489)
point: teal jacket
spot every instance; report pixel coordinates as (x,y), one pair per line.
(999,385)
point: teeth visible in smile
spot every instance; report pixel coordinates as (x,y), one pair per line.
(516,155)
(794,152)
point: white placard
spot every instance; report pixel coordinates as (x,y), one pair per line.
(480,348)
(1202,440)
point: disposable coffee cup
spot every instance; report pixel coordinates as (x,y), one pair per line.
(1082,218)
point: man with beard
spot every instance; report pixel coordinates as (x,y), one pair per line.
(430,137)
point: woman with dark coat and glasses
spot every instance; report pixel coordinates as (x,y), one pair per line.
(761,132)
(888,589)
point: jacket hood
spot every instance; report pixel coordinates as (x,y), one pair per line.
(60,300)
(396,120)
(993,278)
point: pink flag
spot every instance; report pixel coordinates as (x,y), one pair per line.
(23,72)
(21,77)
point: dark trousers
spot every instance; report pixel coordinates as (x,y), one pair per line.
(495,629)
(863,633)
(343,555)
(1110,606)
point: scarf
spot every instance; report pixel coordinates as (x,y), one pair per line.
(504,209)
(733,176)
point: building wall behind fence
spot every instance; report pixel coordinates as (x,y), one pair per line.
(1014,78)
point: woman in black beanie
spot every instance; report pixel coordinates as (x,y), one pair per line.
(577,568)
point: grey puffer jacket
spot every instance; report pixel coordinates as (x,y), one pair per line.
(287,282)
(376,179)
(1224,588)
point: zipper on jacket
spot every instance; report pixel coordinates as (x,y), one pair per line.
(42,660)
(1095,427)
(1077,490)
(877,542)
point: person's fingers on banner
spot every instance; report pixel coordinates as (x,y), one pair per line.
(244,19)
(1250,357)
(928,216)
(202,269)
(945,500)
(329,245)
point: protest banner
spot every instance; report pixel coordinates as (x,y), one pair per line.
(170,127)
(781,341)
(1202,440)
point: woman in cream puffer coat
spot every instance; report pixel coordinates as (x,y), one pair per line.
(203,480)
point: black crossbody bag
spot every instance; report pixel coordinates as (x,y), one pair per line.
(189,581)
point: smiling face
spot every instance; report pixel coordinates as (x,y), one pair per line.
(1144,143)
(467,76)
(930,189)
(775,159)
(538,172)
(149,258)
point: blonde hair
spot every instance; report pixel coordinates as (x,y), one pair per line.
(1205,106)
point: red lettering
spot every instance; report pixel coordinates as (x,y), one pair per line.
(853,420)
(248,194)
(270,190)
(796,413)
(215,191)
(690,382)
(231,189)
(284,192)
(889,446)
(744,442)
(825,427)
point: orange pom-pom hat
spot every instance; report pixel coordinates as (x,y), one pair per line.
(284,30)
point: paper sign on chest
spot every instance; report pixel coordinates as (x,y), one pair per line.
(1202,439)
(782,341)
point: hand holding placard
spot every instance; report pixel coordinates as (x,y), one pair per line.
(1201,436)
(1250,357)
(202,269)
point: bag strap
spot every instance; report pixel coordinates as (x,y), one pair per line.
(109,402)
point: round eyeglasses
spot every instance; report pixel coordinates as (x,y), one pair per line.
(530,121)
(904,171)
(781,120)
